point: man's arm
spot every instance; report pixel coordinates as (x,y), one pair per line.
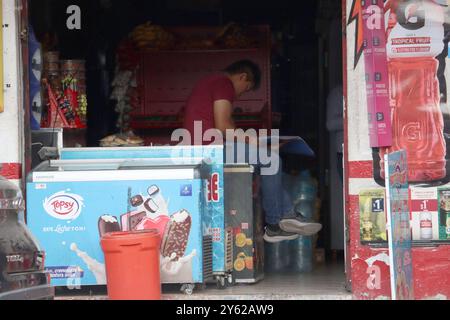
(223,116)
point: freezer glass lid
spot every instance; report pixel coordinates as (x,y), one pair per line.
(159,163)
(83,165)
(121,164)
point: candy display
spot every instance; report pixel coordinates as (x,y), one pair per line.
(64,82)
(62,110)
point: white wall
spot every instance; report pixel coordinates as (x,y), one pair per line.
(11,120)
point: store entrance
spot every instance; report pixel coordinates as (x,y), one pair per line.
(119,62)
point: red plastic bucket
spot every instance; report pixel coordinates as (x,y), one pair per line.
(132,265)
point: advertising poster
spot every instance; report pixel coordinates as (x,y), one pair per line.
(415,41)
(373,215)
(444,213)
(399,231)
(401,50)
(424,214)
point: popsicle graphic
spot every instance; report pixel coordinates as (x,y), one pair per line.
(107,224)
(93,265)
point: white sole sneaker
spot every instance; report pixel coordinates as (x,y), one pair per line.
(301,228)
(276,239)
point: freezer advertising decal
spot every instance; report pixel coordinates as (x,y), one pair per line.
(213,188)
(400,254)
(64,206)
(69,225)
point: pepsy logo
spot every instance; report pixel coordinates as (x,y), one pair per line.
(64,206)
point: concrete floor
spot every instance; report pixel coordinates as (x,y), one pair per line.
(324,283)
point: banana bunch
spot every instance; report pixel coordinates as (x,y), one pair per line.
(152,36)
(82,105)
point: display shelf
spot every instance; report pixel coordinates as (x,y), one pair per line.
(166,79)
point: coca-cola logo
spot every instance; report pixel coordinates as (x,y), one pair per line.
(64,206)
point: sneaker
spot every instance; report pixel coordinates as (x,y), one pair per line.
(300,225)
(274,234)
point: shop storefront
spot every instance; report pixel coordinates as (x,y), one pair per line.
(108,109)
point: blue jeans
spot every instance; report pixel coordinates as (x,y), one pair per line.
(277,203)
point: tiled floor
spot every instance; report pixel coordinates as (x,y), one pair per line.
(324,283)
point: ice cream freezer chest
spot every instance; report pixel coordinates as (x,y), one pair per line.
(71,204)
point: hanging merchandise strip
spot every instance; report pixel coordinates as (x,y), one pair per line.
(377,81)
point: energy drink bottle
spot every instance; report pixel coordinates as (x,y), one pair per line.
(415,38)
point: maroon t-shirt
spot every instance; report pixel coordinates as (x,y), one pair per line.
(200,106)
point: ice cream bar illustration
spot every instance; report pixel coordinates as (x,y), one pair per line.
(176,236)
(131,220)
(107,224)
(153,190)
(151,206)
(159,223)
(136,201)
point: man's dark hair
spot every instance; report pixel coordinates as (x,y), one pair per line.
(250,68)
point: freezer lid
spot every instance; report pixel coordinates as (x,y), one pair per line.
(116,175)
(115,164)
(161,163)
(117,170)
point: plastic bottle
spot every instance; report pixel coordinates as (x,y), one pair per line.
(304,194)
(426,226)
(413,43)
(276,256)
(301,255)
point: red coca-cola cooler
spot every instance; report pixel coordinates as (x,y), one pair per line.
(412,43)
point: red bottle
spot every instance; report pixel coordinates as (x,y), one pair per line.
(417,120)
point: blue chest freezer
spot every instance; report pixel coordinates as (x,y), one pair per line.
(72,203)
(213,156)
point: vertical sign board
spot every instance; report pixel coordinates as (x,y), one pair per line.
(400,255)
(1,58)
(377,79)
